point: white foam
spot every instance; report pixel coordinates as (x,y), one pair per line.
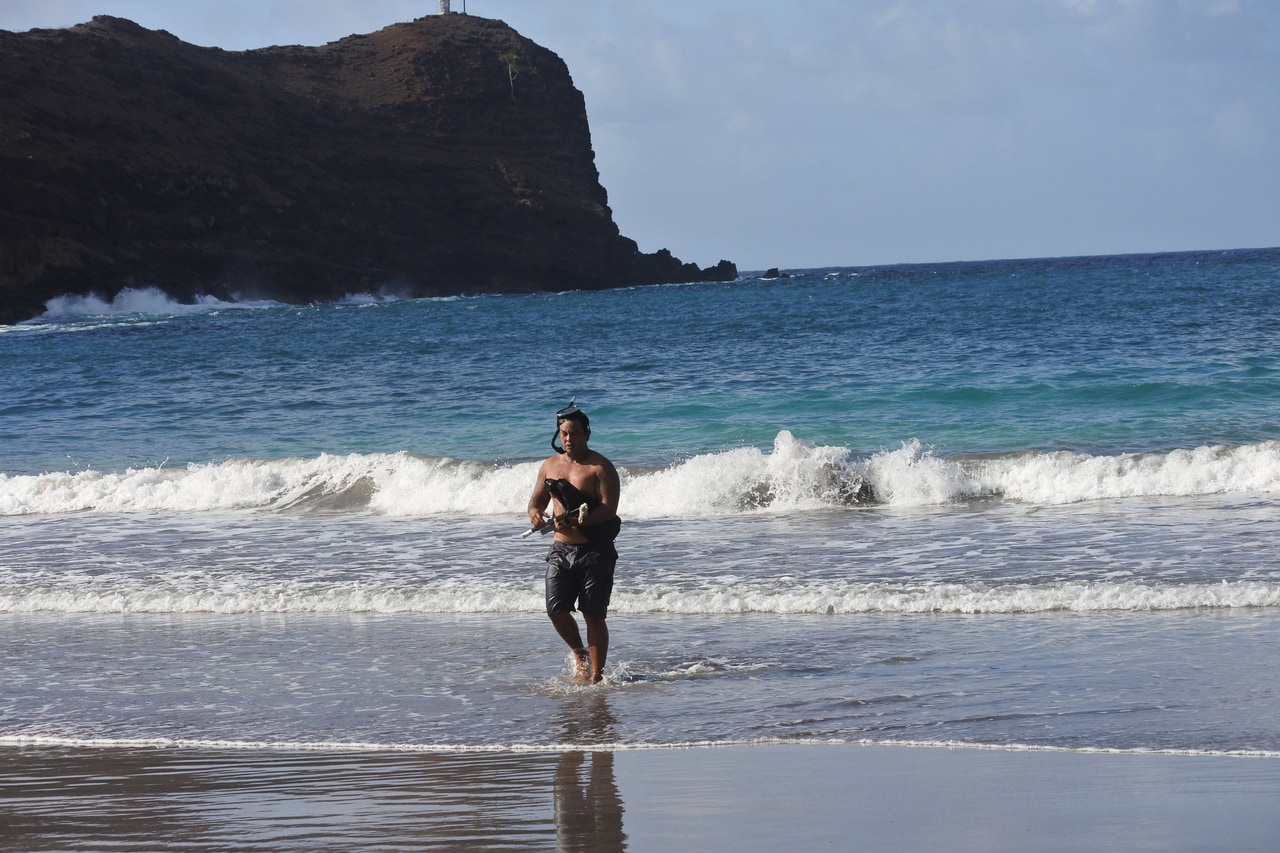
(192,594)
(131,301)
(1057,478)
(844,598)
(206,592)
(422,486)
(796,476)
(224,745)
(911,476)
(395,484)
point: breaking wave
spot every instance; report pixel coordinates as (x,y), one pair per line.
(793,476)
(214,593)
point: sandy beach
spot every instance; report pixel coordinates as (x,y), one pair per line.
(736,798)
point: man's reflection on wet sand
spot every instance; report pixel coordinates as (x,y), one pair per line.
(588,804)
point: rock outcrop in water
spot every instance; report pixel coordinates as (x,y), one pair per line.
(447,155)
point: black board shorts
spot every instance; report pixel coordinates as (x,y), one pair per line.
(580,577)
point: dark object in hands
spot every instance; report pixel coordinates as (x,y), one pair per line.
(572,499)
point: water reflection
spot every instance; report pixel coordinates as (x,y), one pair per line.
(588,803)
(206,800)
(81,798)
(587,719)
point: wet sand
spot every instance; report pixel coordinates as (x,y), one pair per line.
(738,798)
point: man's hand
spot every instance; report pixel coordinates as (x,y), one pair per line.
(572,518)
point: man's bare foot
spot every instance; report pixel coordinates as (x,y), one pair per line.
(581,665)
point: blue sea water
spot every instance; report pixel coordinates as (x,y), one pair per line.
(1017,503)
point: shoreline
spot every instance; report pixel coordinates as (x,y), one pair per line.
(711,798)
(21,742)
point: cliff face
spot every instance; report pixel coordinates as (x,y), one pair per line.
(442,156)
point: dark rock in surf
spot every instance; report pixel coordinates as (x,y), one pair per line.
(407,161)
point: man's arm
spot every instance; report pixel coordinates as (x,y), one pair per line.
(608,488)
(540,498)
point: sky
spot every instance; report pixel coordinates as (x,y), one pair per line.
(813,133)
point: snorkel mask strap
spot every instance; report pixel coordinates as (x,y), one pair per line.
(561,417)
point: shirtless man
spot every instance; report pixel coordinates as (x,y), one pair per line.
(581,559)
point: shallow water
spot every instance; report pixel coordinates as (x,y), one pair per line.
(1182,681)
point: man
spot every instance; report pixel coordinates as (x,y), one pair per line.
(581,560)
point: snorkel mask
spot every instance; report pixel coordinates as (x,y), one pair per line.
(570,412)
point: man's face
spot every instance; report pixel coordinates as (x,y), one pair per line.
(573,436)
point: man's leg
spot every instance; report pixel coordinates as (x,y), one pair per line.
(567,627)
(597,645)
(562,590)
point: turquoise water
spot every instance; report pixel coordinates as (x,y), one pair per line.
(1013,502)
(1102,355)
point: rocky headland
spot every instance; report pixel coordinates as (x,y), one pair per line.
(442,156)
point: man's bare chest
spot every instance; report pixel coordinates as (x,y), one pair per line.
(585,478)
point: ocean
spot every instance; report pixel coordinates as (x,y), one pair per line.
(1023,504)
